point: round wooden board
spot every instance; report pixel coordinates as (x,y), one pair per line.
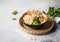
(42,29)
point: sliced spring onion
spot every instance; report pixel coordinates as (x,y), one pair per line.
(14,18)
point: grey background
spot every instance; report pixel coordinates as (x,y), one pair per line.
(10,30)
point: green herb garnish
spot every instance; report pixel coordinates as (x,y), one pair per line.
(36,20)
(14,18)
(14,12)
(54,12)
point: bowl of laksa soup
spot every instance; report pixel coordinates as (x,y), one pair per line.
(34,18)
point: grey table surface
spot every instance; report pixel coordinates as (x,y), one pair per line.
(10,30)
